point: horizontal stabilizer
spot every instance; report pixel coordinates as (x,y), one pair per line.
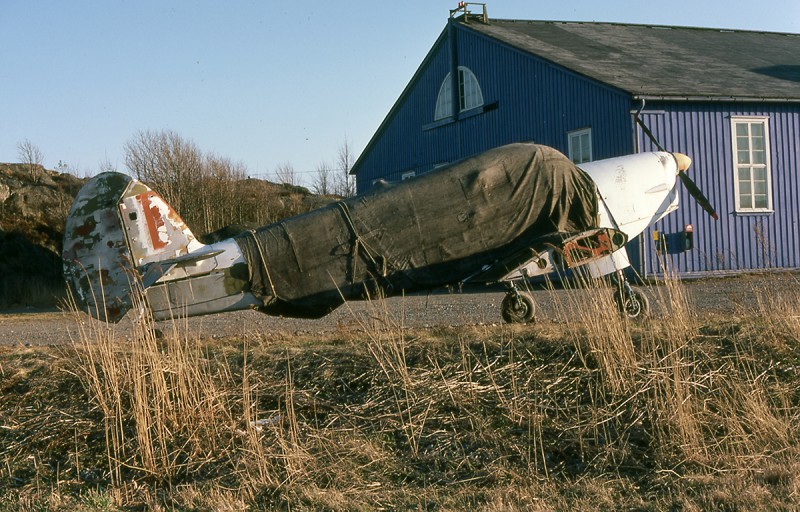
(152,272)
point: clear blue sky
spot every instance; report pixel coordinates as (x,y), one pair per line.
(260,82)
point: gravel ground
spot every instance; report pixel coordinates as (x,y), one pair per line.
(720,297)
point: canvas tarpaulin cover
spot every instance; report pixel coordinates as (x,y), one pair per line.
(436,229)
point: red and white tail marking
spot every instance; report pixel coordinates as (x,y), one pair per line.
(155,231)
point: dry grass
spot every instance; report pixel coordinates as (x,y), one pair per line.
(591,412)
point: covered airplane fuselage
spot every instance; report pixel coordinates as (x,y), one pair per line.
(423,233)
(440,228)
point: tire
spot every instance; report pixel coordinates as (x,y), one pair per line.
(518,308)
(636,306)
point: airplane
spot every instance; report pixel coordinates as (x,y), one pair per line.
(504,216)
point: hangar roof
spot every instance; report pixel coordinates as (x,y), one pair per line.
(652,61)
(662,61)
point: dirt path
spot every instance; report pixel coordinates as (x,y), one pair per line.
(723,297)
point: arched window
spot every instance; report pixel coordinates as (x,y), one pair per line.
(469,94)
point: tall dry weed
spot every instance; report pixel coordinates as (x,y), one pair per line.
(388,342)
(388,409)
(719,409)
(600,334)
(255,468)
(698,410)
(777,300)
(668,365)
(163,408)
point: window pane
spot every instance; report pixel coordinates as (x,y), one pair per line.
(462,101)
(469,90)
(745,201)
(743,143)
(471,94)
(751,147)
(580,146)
(586,149)
(444,102)
(743,156)
(741,130)
(744,174)
(758,142)
(745,188)
(574,149)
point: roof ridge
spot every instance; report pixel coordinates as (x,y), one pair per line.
(644,25)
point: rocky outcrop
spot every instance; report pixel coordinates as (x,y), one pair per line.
(33,209)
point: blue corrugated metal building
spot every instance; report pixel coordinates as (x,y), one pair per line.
(729,99)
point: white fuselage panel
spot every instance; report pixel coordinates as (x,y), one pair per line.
(637,190)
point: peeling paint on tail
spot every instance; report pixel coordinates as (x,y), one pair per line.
(96,258)
(155,231)
(115,226)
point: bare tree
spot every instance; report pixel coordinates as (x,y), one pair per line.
(345,184)
(221,204)
(322,180)
(172,165)
(285,173)
(107,166)
(210,192)
(66,168)
(30,155)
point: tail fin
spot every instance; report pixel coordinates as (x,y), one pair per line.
(116,226)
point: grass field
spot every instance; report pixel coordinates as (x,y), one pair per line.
(591,412)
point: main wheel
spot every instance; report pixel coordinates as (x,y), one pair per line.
(518,308)
(635,305)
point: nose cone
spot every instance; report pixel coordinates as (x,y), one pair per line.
(683,161)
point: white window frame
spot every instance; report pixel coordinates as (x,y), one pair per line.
(470,95)
(575,150)
(748,166)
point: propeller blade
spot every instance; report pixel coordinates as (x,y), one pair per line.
(683,162)
(697,194)
(648,132)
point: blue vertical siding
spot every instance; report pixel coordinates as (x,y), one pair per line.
(737,242)
(525,99)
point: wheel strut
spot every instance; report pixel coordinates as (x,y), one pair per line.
(517,306)
(631,302)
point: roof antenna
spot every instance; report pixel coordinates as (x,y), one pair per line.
(462,8)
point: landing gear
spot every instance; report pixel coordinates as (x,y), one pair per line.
(518,307)
(631,302)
